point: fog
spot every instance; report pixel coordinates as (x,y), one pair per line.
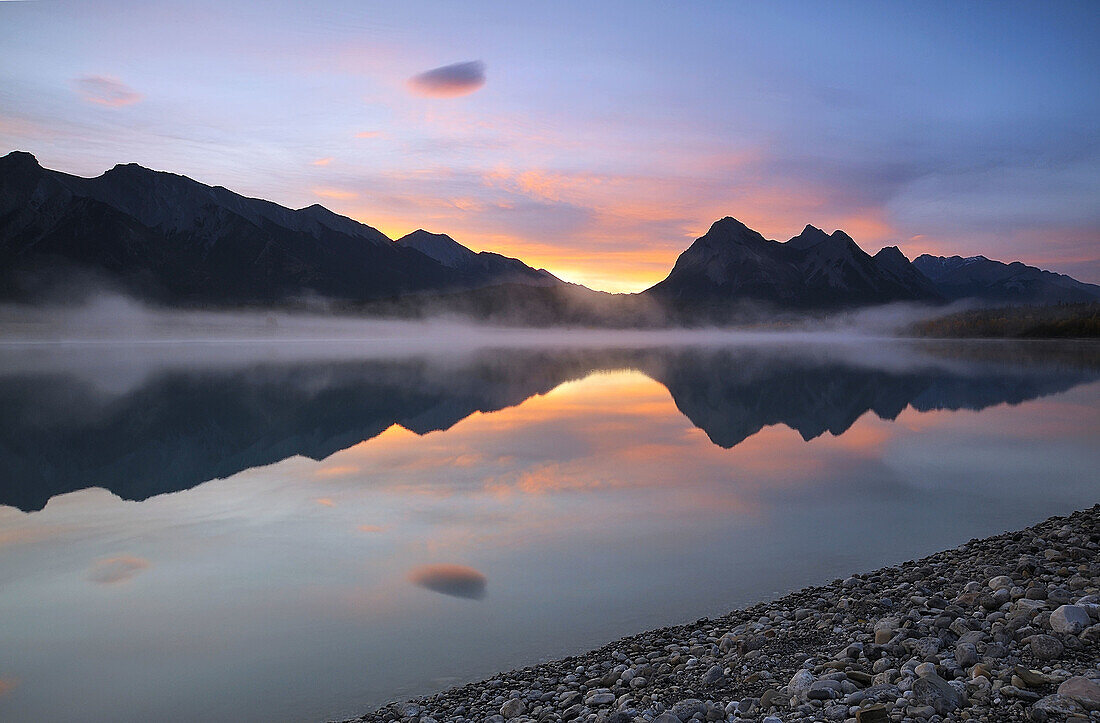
(113,318)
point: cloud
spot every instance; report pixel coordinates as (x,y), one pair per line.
(335,193)
(453,580)
(369,134)
(322,161)
(450,80)
(104,90)
(111,570)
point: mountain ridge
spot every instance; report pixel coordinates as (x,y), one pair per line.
(171,239)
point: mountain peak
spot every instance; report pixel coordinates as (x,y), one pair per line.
(438,246)
(729,230)
(810,236)
(893,253)
(19,159)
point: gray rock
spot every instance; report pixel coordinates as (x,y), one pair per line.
(1069,619)
(966,654)
(667,718)
(1084,691)
(687,708)
(1059,705)
(1046,647)
(513,708)
(800,684)
(715,674)
(597,699)
(935,692)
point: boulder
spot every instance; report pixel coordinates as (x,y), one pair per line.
(1071,619)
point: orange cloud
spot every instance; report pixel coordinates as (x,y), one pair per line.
(371,528)
(7,685)
(334,193)
(325,501)
(336,471)
(369,134)
(322,161)
(105,90)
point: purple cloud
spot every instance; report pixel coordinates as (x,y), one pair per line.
(104,90)
(450,80)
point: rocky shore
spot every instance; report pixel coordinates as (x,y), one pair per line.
(1001,629)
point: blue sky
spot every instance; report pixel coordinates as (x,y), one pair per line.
(595,139)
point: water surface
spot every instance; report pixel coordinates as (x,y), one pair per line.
(255,532)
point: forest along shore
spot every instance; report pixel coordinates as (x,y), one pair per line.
(1001,629)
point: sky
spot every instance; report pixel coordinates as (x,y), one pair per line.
(596,140)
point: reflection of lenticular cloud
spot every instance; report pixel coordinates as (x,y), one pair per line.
(454,580)
(450,80)
(111,570)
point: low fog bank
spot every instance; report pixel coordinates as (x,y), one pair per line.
(114,319)
(116,343)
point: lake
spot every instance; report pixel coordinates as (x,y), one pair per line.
(302,530)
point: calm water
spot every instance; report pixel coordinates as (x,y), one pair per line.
(302,532)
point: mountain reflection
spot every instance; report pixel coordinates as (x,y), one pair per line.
(63,430)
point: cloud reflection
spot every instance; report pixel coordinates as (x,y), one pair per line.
(453,580)
(112,570)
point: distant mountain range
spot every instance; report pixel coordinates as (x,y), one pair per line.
(815,270)
(172,240)
(994,281)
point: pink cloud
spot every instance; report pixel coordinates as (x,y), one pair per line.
(369,134)
(335,193)
(322,161)
(105,90)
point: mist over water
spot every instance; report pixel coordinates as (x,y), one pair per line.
(107,318)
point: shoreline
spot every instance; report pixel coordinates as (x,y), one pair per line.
(1005,628)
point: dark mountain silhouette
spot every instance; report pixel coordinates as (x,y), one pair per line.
(980,278)
(181,428)
(814,270)
(168,238)
(892,261)
(493,267)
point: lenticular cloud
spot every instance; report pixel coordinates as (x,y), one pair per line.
(450,80)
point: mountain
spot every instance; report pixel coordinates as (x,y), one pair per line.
(893,262)
(494,268)
(731,262)
(977,277)
(168,238)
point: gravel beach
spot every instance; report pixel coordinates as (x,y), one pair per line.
(1005,628)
